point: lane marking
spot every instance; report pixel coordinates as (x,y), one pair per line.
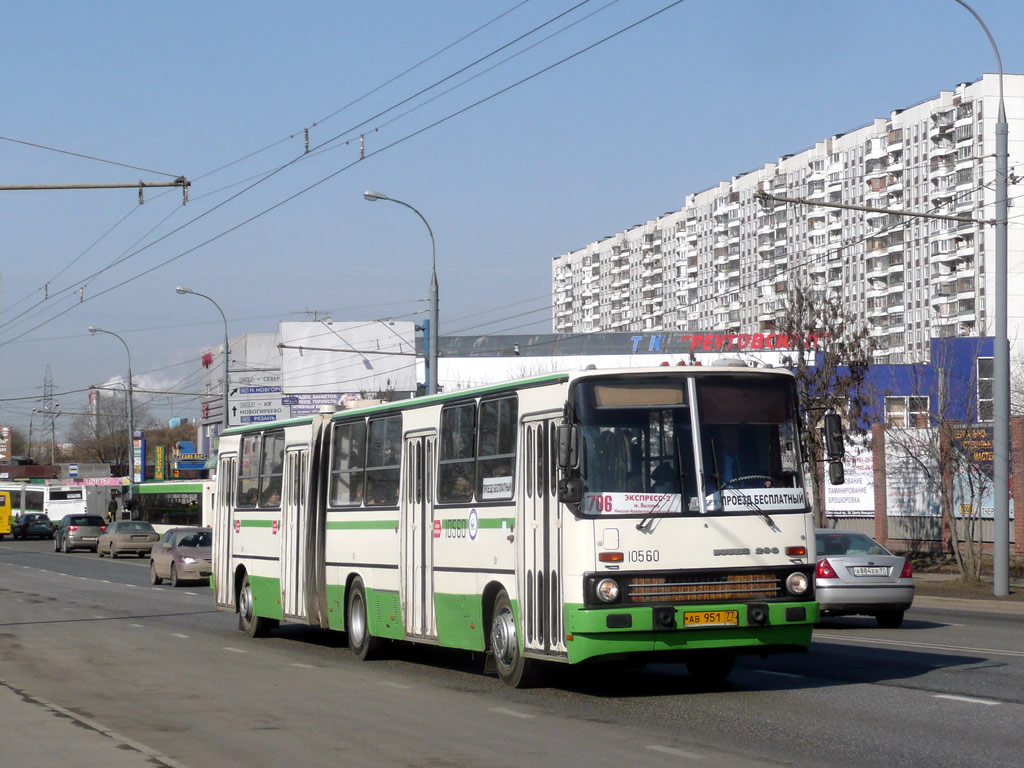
(137,625)
(178,634)
(778,674)
(674,752)
(302,666)
(234,650)
(194,594)
(396,685)
(966,699)
(512,713)
(910,644)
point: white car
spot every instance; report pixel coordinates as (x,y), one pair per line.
(856,575)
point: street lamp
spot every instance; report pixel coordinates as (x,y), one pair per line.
(1001,353)
(131,410)
(183,291)
(432,339)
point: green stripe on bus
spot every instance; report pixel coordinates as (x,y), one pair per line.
(362,525)
(257,523)
(169,488)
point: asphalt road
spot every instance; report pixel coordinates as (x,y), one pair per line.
(175,683)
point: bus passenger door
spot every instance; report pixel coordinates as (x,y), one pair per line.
(293,561)
(418,536)
(540,531)
(223,532)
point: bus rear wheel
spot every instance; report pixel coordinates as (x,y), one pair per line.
(514,669)
(364,645)
(254,626)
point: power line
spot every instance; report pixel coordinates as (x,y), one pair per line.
(344,168)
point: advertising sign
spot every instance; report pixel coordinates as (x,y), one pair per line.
(912,477)
(856,496)
(158,462)
(5,444)
(139,457)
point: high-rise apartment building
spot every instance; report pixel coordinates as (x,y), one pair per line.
(727,260)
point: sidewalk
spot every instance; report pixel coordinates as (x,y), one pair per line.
(37,732)
(973,604)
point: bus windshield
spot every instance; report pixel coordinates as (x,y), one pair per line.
(653,447)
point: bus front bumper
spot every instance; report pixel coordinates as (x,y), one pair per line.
(739,627)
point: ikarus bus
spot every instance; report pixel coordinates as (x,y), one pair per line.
(648,514)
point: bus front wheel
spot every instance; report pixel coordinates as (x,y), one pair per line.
(254,626)
(514,669)
(364,645)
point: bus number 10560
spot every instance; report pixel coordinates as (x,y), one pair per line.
(644,555)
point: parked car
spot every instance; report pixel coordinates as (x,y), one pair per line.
(857,575)
(182,554)
(32,524)
(78,532)
(127,537)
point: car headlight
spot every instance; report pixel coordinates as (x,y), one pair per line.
(189,560)
(607,590)
(797,583)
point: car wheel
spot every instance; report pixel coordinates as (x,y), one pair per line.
(98,553)
(64,545)
(254,626)
(153,578)
(889,619)
(113,552)
(174,576)
(56,545)
(711,668)
(364,645)
(514,669)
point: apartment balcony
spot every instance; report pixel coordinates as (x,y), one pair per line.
(876,151)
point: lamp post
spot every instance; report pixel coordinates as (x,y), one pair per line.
(131,410)
(432,339)
(184,291)
(1001,353)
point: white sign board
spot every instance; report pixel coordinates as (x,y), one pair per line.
(856,496)
(362,357)
(255,397)
(911,472)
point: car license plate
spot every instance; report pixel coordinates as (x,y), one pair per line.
(870,570)
(711,618)
(88,538)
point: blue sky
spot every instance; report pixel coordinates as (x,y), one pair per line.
(222,93)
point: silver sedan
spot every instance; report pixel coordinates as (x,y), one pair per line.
(857,575)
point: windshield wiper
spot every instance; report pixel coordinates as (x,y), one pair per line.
(760,512)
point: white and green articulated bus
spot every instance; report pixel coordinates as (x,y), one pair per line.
(652,514)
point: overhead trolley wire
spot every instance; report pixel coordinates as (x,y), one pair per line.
(346,167)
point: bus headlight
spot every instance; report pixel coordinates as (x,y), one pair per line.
(607,590)
(797,583)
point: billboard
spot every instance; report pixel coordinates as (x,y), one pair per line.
(330,357)
(5,445)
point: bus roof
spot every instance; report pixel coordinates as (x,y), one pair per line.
(535,381)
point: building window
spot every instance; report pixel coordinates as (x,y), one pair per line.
(986,379)
(906,411)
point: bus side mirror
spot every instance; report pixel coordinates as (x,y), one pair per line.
(568,446)
(836,475)
(570,490)
(834,446)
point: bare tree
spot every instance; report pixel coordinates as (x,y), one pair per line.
(829,352)
(937,450)
(102,437)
